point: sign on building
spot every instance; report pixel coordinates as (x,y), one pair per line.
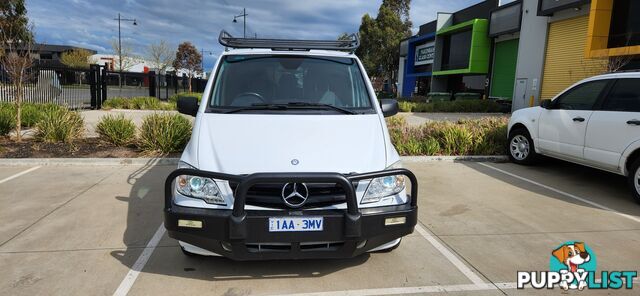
(425,53)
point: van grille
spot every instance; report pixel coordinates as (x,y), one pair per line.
(270,195)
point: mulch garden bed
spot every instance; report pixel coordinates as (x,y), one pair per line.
(83,148)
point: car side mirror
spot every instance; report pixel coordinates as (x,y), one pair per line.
(389,107)
(546,104)
(188,105)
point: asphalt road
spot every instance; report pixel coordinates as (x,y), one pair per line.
(77,230)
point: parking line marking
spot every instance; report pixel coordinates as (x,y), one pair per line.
(569,195)
(137,267)
(418,290)
(20,174)
(474,278)
(408,290)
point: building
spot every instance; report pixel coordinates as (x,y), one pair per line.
(463,52)
(135,65)
(450,56)
(504,28)
(50,54)
(521,51)
(416,62)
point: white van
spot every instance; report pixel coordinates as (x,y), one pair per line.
(595,122)
(290,158)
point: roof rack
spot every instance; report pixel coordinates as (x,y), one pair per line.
(284,44)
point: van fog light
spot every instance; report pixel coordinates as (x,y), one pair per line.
(395,221)
(189,223)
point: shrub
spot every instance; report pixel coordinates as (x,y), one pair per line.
(456,140)
(462,106)
(59,125)
(32,113)
(138,103)
(466,137)
(7,120)
(164,132)
(174,98)
(117,130)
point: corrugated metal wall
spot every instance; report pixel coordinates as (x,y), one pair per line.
(504,69)
(565,63)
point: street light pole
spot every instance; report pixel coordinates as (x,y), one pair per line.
(244,20)
(202,52)
(120,19)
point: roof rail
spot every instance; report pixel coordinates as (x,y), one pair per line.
(284,44)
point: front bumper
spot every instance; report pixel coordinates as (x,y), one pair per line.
(243,235)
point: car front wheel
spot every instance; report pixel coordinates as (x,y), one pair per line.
(634,180)
(521,149)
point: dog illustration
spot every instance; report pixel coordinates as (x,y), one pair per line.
(572,256)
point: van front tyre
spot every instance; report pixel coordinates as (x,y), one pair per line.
(521,149)
(634,180)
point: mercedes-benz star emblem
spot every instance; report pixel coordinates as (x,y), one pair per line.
(295,162)
(295,195)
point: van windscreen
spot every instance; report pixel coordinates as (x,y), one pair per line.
(259,80)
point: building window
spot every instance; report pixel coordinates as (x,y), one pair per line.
(625,26)
(505,20)
(46,56)
(456,50)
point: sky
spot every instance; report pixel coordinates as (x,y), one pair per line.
(90,23)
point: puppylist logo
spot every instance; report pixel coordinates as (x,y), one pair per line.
(573,266)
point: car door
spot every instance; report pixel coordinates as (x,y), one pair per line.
(562,127)
(615,125)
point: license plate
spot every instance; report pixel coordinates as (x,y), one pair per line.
(284,224)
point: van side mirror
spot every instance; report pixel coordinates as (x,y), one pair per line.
(546,104)
(188,105)
(389,107)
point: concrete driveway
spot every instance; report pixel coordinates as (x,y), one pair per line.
(77,230)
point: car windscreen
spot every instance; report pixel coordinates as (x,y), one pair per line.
(276,83)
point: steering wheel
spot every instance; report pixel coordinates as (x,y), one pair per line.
(251,101)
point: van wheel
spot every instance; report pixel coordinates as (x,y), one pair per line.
(634,180)
(521,149)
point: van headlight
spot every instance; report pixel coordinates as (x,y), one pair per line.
(384,186)
(199,187)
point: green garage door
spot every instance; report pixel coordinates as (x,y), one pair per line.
(504,69)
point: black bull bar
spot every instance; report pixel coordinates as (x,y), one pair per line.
(237,225)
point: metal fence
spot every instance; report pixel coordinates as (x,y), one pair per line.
(63,86)
(88,88)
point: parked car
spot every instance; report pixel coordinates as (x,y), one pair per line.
(595,122)
(290,158)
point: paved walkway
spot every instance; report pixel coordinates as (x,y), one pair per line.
(421,118)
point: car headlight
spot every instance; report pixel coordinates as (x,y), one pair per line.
(384,186)
(199,187)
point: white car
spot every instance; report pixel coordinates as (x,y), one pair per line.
(290,158)
(595,122)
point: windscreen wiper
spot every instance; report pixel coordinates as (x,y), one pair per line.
(318,105)
(258,106)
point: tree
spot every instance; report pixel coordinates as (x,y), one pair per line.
(14,22)
(129,59)
(380,37)
(161,55)
(77,58)
(16,40)
(188,59)
(344,36)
